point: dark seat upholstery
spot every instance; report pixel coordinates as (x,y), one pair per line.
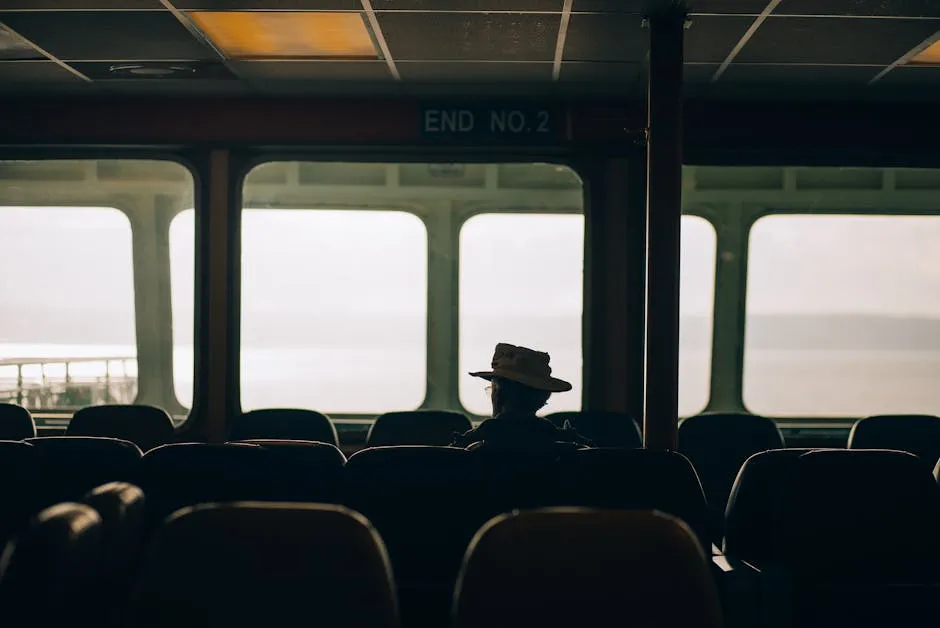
(417,427)
(638,479)
(421,500)
(48,574)
(145,426)
(564,567)
(255,564)
(19,487)
(121,508)
(16,423)
(604,429)
(74,465)
(917,434)
(175,476)
(285,424)
(718,444)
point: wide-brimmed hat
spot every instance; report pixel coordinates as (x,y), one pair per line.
(525,366)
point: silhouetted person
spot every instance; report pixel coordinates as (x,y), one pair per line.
(521,383)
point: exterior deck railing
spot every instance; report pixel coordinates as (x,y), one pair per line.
(74,382)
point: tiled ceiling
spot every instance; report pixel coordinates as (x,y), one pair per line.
(733,48)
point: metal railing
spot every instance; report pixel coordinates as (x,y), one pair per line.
(28,381)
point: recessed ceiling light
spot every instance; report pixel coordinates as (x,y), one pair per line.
(150,70)
(928,56)
(287,34)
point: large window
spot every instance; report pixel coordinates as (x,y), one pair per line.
(696,305)
(182,294)
(67,328)
(843,315)
(521,282)
(334,310)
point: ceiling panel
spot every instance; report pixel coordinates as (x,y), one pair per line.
(617,77)
(12,46)
(835,41)
(907,8)
(468,5)
(611,6)
(108,35)
(35,72)
(606,38)
(739,7)
(82,5)
(269,5)
(462,72)
(191,71)
(312,70)
(693,73)
(711,38)
(926,76)
(796,74)
(470,36)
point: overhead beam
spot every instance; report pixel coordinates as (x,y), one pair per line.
(663,214)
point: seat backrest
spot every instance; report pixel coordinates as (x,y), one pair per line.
(752,512)
(74,465)
(284,424)
(20,488)
(604,429)
(871,514)
(16,423)
(417,427)
(917,434)
(641,479)
(49,573)
(185,474)
(265,564)
(564,567)
(718,444)
(145,426)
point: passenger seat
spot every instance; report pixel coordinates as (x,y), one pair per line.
(284,424)
(417,427)
(254,564)
(604,429)
(918,434)
(565,567)
(145,426)
(16,422)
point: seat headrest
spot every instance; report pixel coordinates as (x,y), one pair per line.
(577,567)
(417,427)
(270,563)
(314,452)
(145,426)
(16,422)
(914,433)
(284,424)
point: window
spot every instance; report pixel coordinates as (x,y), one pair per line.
(334,309)
(67,327)
(83,277)
(696,307)
(843,315)
(521,282)
(182,295)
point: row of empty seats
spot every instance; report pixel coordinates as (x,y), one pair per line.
(260,564)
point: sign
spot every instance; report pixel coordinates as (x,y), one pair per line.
(502,124)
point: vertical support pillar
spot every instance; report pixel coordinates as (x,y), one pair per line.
(663,211)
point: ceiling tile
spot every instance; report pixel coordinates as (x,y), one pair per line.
(312,70)
(927,76)
(117,71)
(904,8)
(736,7)
(268,5)
(710,39)
(596,37)
(34,72)
(835,41)
(108,35)
(12,46)
(611,6)
(797,74)
(461,72)
(82,5)
(470,36)
(468,5)
(696,73)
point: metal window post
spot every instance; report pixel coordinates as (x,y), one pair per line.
(664,211)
